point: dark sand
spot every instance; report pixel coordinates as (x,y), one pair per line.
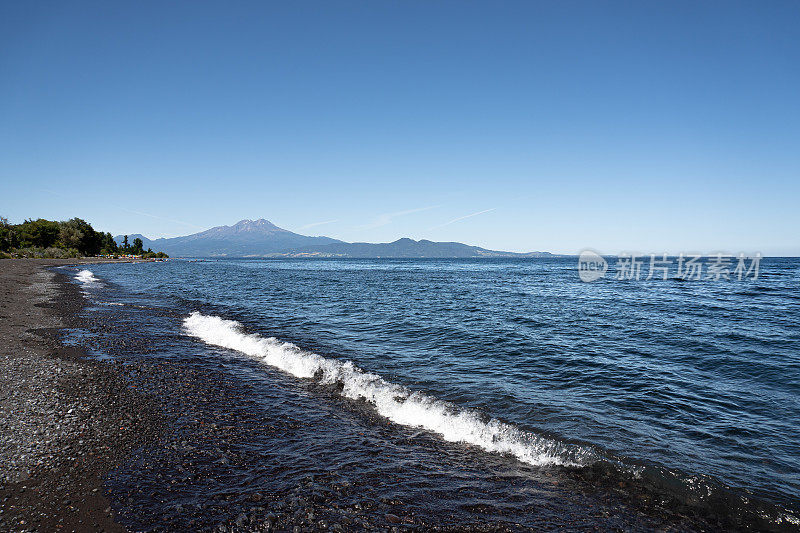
(65,421)
(78,439)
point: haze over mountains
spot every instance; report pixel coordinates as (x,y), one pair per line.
(262,238)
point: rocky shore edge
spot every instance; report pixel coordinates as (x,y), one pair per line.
(65,421)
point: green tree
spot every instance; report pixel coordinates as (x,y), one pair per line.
(40,233)
(79,234)
(109,245)
(8,235)
(47,238)
(138,246)
(70,236)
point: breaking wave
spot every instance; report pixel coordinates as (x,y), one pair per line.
(392,401)
(87,278)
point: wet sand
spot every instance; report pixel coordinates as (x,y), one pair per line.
(65,421)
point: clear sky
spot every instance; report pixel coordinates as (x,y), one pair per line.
(559,125)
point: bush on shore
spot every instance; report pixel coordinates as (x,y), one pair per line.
(47,253)
(43,238)
(150,254)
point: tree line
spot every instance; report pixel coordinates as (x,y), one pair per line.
(137,248)
(70,238)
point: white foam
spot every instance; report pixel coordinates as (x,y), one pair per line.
(395,402)
(87,278)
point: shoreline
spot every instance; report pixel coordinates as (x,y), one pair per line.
(66,420)
(143,435)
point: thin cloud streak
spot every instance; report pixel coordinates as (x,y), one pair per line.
(159,217)
(464,217)
(315,224)
(121,208)
(387,218)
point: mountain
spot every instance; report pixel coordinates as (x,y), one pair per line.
(146,243)
(245,238)
(406,248)
(262,238)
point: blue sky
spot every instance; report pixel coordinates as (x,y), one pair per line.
(650,126)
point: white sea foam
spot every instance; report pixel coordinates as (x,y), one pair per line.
(395,402)
(87,278)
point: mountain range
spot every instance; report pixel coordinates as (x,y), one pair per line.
(262,238)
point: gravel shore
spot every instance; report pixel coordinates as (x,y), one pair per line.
(65,421)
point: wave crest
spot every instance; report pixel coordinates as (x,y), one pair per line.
(87,277)
(394,402)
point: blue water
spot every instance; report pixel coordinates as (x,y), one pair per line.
(694,382)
